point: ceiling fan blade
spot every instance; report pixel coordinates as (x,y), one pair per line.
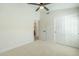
(46,3)
(37,8)
(34,4)
(46,8)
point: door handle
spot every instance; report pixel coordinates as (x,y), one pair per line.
(55,32)
(44,31)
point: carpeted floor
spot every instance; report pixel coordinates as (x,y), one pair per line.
(42,48)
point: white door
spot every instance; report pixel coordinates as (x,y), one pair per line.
(66,29)
(59,30)
(71,30)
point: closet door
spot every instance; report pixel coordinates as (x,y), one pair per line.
(71,30)
(66,29)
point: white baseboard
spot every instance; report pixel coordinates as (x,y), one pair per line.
(18,45)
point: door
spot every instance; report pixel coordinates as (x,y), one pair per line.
(71,30)
(66,29)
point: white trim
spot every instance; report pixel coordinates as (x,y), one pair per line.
(7,49)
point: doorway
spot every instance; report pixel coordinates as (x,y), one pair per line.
(36,30)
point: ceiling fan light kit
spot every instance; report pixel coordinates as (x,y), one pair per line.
(41,7)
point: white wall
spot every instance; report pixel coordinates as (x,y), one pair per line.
(16,25)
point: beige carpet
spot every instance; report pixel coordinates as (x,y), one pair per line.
(42,48)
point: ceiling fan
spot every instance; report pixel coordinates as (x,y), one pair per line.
(41,6)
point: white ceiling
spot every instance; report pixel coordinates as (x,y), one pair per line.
(56,6)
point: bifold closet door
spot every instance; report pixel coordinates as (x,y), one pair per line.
(66,29)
